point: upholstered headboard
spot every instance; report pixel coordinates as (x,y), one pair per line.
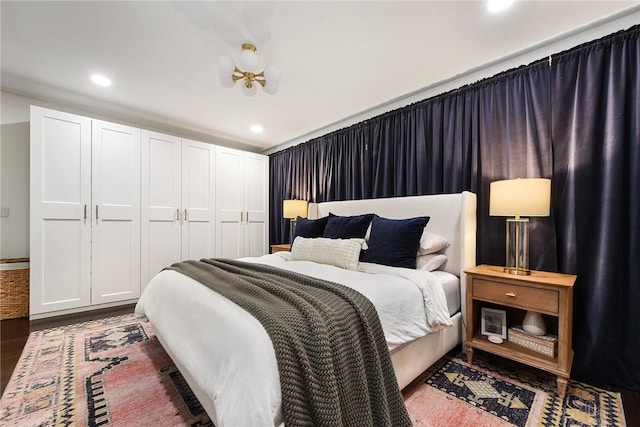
(452,216)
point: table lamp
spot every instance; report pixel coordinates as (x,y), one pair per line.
(292,209)
(517,198)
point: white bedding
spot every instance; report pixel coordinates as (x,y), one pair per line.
(229,353)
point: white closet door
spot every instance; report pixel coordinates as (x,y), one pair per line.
(229,203)
(161,203)
(198,200)
(115,262)
(60,237)
(256,205)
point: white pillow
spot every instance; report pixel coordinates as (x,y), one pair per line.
(343,253)
(430,262)
(431,243)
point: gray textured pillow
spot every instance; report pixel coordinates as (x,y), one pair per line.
(343,253)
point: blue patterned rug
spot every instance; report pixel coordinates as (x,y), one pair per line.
(497,391)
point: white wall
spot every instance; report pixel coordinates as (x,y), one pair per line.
(14,176)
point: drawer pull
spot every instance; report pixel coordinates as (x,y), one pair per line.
(510,294)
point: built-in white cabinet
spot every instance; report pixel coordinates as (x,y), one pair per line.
(178,193)
(241,203)
(113,205)
(85,212)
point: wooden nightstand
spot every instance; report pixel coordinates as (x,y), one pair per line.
(280,247)
(548,293)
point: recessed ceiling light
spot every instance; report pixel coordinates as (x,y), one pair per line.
(256,129)
(497,6)
(101,80)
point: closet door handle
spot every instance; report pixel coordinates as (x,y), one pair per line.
(186,217)
(85,211)
(177,214)
(96,212)
(241,217)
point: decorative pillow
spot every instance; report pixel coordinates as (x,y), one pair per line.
(395,242)
(431,243)
(343,253)
(347,227)
(309,227)
(430,262)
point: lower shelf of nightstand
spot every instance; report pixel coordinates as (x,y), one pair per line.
(519,354)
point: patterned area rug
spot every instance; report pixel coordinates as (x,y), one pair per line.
(497,392)
(110,372)
(114,372)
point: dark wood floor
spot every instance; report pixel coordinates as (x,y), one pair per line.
(14,334)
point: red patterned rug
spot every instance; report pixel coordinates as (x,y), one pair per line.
(114,372)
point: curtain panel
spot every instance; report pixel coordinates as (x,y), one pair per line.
(574,120)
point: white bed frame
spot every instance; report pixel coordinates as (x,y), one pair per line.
(452,216)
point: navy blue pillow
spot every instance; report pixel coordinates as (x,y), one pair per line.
(310,227)
(347,227)
(395,242)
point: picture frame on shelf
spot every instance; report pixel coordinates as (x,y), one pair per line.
(493,322)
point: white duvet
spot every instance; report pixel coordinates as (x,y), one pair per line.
(229,354)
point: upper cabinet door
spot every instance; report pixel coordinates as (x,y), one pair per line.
(60,237)
(198,200)
(115,262)
(256,205)
(230,214)
(161,203)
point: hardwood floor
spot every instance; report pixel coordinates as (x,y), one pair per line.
(14,334)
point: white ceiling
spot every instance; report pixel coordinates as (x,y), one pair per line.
(338,58)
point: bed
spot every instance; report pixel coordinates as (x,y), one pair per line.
(231,370)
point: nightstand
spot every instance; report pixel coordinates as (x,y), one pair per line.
(548,293)
(280,247)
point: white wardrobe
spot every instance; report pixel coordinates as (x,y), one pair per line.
(112,205)
(85,212)
(178,194)
(242,202)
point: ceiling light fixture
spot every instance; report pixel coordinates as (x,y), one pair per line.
(101,80)
(496,6)
(256,129)
(230,73)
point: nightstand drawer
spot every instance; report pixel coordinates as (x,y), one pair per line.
(528,298)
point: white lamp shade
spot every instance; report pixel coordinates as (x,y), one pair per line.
(294,208)
(227,81)
(226,65)
(270,87)
(249,90)
(520,197)
(249,60)
(272,73)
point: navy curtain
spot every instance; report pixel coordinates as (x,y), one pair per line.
(596,192)
(574,121)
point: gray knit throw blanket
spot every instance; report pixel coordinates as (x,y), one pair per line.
(335,368)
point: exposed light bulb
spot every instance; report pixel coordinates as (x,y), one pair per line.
(256,129)
(270,87)
(249,88)
(272,73)
(249,60)
(101,80)
(226,64)
(227,80)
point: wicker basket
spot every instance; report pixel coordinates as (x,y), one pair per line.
(14,289)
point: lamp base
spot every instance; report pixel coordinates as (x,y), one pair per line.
(517,271)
